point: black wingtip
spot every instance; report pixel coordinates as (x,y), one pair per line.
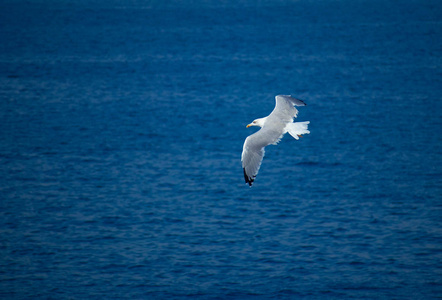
(296,101)
(248,179)
(302,101)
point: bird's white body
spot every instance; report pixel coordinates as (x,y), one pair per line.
(273,127)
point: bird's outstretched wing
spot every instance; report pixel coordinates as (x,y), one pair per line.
(252,155)
(253,149)
(284,109)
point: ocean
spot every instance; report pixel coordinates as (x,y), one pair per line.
(121,130)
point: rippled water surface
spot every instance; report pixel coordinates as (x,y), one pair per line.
(122,124)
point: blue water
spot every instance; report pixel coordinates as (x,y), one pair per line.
(121,131)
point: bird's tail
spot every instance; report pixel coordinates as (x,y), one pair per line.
(298,128)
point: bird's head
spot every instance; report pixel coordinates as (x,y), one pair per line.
(258,122)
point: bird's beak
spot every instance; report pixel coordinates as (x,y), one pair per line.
(249,125)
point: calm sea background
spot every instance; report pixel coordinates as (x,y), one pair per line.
(121,131)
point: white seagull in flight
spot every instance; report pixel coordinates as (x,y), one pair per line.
(273,127)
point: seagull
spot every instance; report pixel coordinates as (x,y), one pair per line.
(273,127)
